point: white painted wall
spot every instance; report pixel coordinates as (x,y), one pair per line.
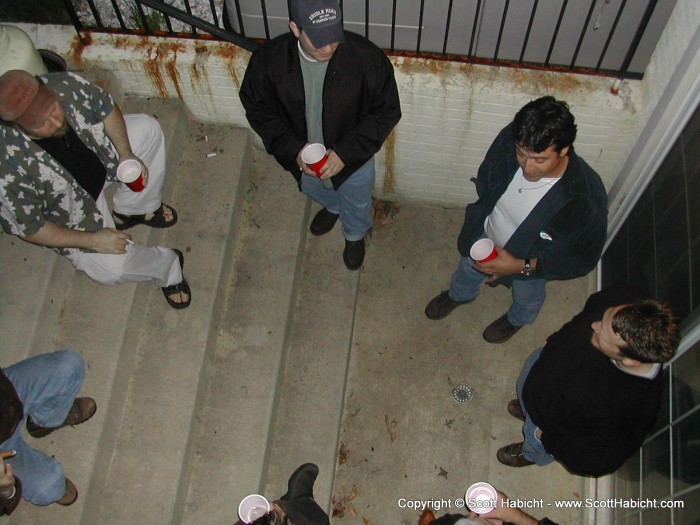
(451,111)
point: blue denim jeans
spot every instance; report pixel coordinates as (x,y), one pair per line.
(46,384)
(528,295)
(532,447)
(353,200)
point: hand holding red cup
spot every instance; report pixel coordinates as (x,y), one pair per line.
(483,250)
(315,156)
(130,172)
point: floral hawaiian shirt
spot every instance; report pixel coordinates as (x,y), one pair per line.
(34,187)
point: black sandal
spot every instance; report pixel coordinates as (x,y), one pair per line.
(181,287)
(157,219)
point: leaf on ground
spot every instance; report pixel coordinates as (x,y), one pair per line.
(391,427)
(343,454)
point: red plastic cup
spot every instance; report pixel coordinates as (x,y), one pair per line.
(483,250)
(481,498)
(315,156)
(129,172)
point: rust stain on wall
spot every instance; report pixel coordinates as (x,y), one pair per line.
(152,68)
(174,74)
(546,81)
(390,154)
(230,54)
(78,45)
(199,73)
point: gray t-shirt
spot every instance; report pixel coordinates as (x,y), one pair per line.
(314,73)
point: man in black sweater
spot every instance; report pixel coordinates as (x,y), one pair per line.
(591,394)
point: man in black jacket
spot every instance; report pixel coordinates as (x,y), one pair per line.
(320,84)
(591,394)
(543,207)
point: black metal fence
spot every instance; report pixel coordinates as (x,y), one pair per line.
(609,37)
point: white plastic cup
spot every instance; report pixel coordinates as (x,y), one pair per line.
(481,498)
(253,507)
(129,172)
(483,250)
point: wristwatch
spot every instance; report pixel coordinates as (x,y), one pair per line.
(527,269)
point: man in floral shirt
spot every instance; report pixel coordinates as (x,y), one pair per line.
(63,139)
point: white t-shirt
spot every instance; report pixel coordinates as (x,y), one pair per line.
(519,199)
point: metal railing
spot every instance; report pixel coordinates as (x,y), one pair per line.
(606,37)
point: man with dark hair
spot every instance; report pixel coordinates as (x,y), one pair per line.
(297,506)
(544,209)
(591,394)
(320,84)
(63,138)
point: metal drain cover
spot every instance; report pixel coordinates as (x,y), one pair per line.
(462,393)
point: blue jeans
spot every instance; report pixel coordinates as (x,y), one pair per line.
(528,295)
(47,385)
(353,200)
(532,447)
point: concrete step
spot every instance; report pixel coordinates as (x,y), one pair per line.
(275,378)
(143,357)
(236,401)
(313,376)
(143,450)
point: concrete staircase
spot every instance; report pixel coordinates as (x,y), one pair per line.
(200,407)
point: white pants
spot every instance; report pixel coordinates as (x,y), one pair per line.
(140,263)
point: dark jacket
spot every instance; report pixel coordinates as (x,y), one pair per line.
(360,101)
(593,416)
(11,414)
(566,230)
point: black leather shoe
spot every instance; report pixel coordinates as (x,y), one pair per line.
(512,455)
(354,254)
(500,330)
(301,482)
(442,305)
(83,409)
(323,222)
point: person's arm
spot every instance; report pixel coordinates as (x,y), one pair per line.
(262,106)
(503,265)
(115,129)
(10,488)
(368,136)
(509,514)
(106,240)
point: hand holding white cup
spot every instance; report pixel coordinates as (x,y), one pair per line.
(483,250)
(253,507)
(481,498)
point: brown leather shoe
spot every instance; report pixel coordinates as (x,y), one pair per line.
(83,409)
(442,305)
(514,409)
(500,330)
(427,517)
(70,495)
(512,455)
